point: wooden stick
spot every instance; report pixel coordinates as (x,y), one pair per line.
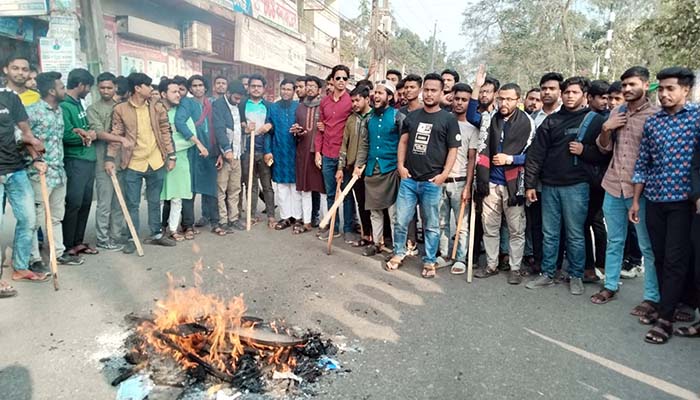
(459,227)
(470,249)
(49,230)
(249,195)
(339,200)
(127,216)
(332,227)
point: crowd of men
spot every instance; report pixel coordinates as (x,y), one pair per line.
(600,175)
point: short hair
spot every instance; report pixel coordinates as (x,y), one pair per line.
(257,77)
(400,84)
(636,71)
(165,83)
(360,90)
(197,78)
(122,86)
(490,80)
(598,88)
(106,76)
(340,67)
(300,79)
(221,77)
(33,68)
(366,83)
(452,72)
(394,72)
(414,78)
(615,87)
(512,86)
(315,79)
(180,80)
(582,82)
(15,57)
(434,77)
(47,81)
(685,76)
(243,76)
(462,87)
(80,76)
(236,87)
(138,79)
(535,89)
(552,76)
(286,82)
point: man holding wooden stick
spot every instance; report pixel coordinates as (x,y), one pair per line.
(144,123)
(457,190)
(46,122)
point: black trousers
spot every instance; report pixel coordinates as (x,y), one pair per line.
(533,228)
(669,231)
(81,179)
(599,235)
(187,220)
(359,191)
(695,239)
(315,206)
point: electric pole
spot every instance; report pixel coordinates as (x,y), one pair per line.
(378,39)
(432,56)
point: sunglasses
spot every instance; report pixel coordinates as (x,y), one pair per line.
(345,78)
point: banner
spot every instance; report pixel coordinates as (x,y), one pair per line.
(57,55)
(282,14)
(17,8)
(17,28)
(241,6)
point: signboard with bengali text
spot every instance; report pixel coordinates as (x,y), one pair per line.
(281,14)
(19,8)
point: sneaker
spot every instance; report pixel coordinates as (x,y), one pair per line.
(541,281)
(632,273)
(129,247)
(515,278)
(576,286)
(443,262)
(38,267)
(237,225)
(351,237)
(162,240)
(109,246)
(411,249)
(324,235)
(67,259)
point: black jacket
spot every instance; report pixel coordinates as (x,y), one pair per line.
(695,177)
(549,159)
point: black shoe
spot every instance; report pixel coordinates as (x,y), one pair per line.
(38,267)
(315,223)
(67,259)
(162,241)
(236,225)
(129,247)
(202,222)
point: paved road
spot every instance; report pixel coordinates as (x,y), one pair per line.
(422,339)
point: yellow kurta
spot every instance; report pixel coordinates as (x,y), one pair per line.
(146,153)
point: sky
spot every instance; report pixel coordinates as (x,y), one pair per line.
(420,15)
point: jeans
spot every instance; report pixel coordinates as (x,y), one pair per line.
(427,195)
(668,225)
(569,203)
(633,254)
(615,210)
(329,168)
(450,205)
(57,205)
(17,188)
(595,244)
(132,193)
(81,179)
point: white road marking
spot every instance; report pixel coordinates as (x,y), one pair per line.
(660,384)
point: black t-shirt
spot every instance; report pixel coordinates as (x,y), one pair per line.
(430,136)
(11,112)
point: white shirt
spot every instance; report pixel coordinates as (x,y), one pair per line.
(470,140)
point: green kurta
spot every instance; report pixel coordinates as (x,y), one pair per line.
(178,183)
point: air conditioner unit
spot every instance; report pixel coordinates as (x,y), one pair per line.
(196,37)
(141,29)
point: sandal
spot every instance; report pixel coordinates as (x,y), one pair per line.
(429,271)
(485,272)
(691,331)
(219,230)
(591,278)
(394,263)
(458,268)
(361,243)
(271,223)
(189,234)
(650,318)
(177,237)
(644,308)
(660,333)
(683,313)
(89,250)
(283,224)
(371,250)
(29,276)
(602,297)
(301,228)
(6,290)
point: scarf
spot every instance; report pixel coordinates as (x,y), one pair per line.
(520,135)
(206,116)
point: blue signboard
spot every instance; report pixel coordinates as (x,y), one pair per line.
(240,6)
(18,28)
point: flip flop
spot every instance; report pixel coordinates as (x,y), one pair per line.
(29,276)
(429,271)
(6,290)
(88,250)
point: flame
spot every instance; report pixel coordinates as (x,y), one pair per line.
(218,342)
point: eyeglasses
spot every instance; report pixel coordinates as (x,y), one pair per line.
(506,99)
(345,78)
(254,86)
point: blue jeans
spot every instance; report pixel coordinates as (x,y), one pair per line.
(329,168)
(615,210)
(427,195)
(450,204)
(132,194)
(570,204)
(18,190)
